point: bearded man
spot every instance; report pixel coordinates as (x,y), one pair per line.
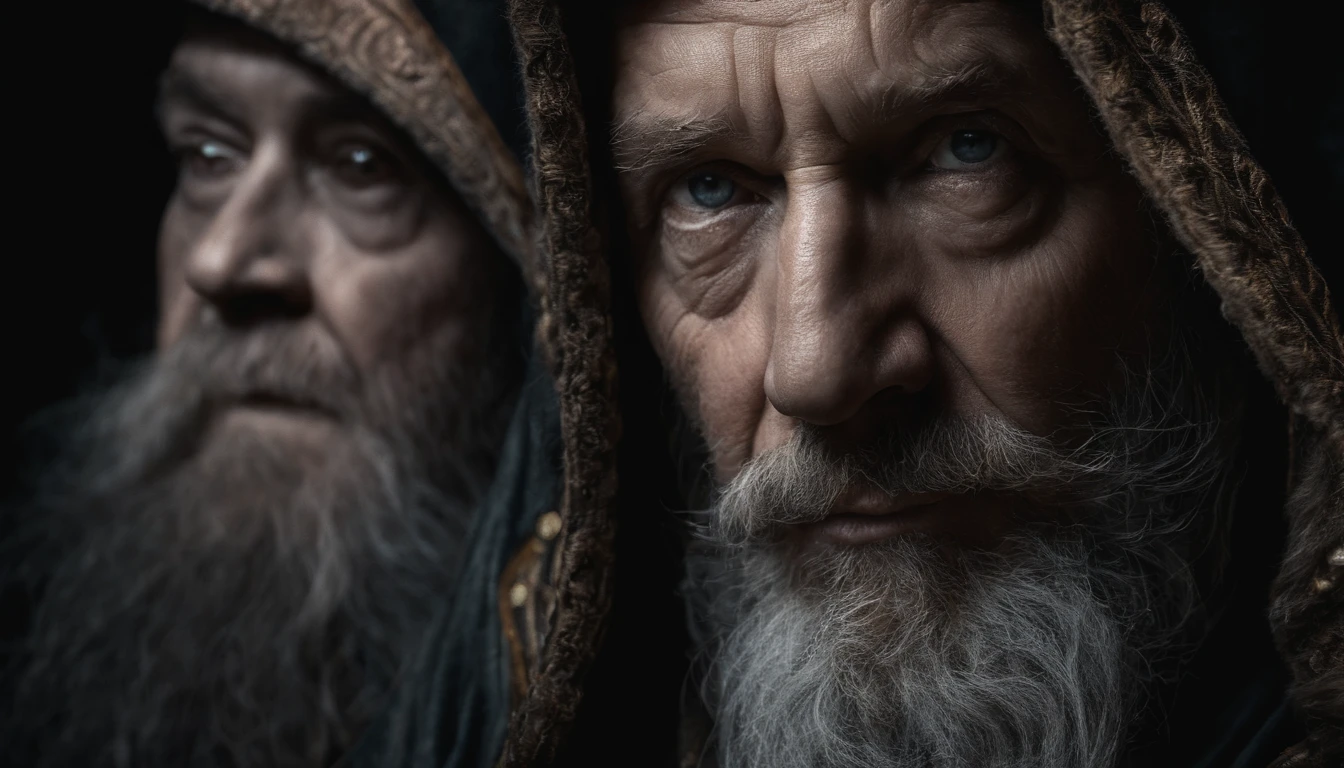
(244,542)
(991,479)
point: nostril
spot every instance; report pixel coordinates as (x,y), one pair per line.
(248,309)
(255,289)
(835,381)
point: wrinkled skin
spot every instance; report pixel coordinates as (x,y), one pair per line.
(855,215)
(920,315)
(299,206)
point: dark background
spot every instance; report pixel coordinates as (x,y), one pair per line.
(79,287)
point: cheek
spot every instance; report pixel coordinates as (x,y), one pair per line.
(711,264)
(1042,328)
(703,299)
(717,367)
(178,304)
(384,305)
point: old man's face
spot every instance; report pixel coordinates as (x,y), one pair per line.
(242,545)
(916,308)
(308,230)
(848,211)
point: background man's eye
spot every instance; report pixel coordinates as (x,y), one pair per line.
(208,158)
(709,191)
(965,149)
(360,165)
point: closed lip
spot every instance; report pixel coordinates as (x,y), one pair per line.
(870,502)
(266,400)
(867,516)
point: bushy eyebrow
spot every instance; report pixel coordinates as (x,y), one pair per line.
(968,81)
(646,141)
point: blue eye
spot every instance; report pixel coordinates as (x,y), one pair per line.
(711,191)
(963,149)
(973,146)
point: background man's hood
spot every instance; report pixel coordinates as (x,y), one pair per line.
(1166,119)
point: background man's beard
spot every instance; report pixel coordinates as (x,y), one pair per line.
(909,652)
(214,598)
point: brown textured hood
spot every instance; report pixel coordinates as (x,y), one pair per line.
(1166,119)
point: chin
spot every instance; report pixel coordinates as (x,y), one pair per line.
(244,449)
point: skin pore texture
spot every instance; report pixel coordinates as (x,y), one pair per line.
(242,541)
(930,335)
(858,257)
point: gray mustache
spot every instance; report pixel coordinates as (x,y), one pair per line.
(279,366)
(800,481)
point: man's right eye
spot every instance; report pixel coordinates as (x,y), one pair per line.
(207,158)
(704,191)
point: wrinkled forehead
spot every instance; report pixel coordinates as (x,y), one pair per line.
(797,66)
(884,30)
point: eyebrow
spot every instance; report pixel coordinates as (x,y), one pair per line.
(964,83)
(176,86)
(647,141)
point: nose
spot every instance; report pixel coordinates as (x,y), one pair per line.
(250,263)
(845,329)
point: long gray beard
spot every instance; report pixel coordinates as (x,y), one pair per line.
(911,652)
(232,602)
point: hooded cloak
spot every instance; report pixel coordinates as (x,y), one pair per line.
(1166,120)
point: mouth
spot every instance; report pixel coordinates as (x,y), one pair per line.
(283,404)
(866,516)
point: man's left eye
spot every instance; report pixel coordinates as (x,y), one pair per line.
(705,191)
(361,166)
(961,150)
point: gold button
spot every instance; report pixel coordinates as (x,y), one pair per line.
(1337,557)
(548,527)
(1321,585)
(518,595)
